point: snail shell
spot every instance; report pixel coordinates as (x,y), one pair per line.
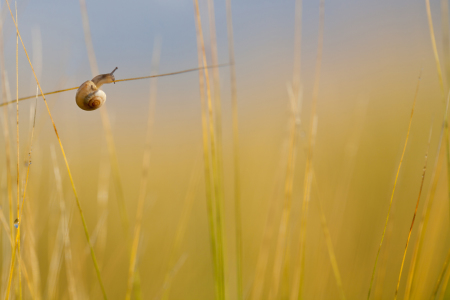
(89,96)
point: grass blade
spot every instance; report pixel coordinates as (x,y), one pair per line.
(395,185)
(237,183)
(68,170)
(415,213)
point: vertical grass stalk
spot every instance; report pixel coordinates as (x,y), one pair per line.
(7,135)
(18,153)
(423,225)
(237,181)
(395,185)
(217,186)
(68,170)
(414,216)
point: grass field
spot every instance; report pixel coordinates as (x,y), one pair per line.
(247,150)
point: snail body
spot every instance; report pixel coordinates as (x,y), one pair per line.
(89,96)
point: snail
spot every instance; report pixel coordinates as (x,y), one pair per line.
(89,96)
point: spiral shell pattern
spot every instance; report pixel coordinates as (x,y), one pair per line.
(95,100)
(89,97)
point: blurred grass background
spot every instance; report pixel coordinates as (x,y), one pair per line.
(373,53)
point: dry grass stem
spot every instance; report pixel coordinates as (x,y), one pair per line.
(68,170)
(215,164)
(237,180)
(414,216)
(395,184)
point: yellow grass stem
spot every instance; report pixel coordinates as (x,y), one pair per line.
(215,158)
(426,212)
(18,152)
(55,262)
(441,83)
(71,284)
(68,170)
(305,206)
(210,201)
(237,180)
(287,203)
(414,216)
(22,264)
(20,208)
(395,184)
(311,141)
(445,38)
(444,285)
(441,275)
(283,233)
(7,135)
(145,174)
(433,44)
(217,121)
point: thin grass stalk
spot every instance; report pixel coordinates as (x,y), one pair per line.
(210,198)
(7,135)
(433,44)
(65,229)
(296,75)
(441,83)
(20,211)
(426,212)
(311,141)
(445,38)
(305,206)
(70,270)
(182,225)
(145,173)
(218,189)
(287,203)
(395,184)
(444,285)
(22,264)
(106,124)
(18,154)
(119,80)
(31,242)
(236,166)
(216,81)
(217,121)
(283,233)
(414,216)
(68,170)
(55,263)
(441,275)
